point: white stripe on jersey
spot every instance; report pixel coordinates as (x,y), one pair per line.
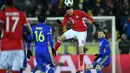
(84,22)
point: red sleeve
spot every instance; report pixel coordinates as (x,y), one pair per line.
(25,20)
(87,16)
(1,18)
(66,18)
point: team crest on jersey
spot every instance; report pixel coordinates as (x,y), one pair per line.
(77,16)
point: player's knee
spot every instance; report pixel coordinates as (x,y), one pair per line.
(81,49)
(61,38)
(98,67)
(90,66)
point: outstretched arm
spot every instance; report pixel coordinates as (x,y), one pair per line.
(87,16)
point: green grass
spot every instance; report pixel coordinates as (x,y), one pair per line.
(92,49)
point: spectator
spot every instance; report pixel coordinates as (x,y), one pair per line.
(29,7)
(124,44)
(51,9)
(56,31)
(88,5)
(60,10)
(127,27)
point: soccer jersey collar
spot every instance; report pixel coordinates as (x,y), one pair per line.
(11,8)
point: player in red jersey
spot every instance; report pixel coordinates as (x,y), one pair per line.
(78,29)
(11,23)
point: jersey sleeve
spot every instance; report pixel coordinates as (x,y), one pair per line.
(50,38)
(25,21)
(1,18)
(87,16)
(107,47)
(66,18)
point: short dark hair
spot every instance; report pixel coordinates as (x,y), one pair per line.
(41,17)
(9,2)
(67,8)
(102,30)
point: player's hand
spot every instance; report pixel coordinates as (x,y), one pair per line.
(97,57)
(54,52)
(29,54)
(96,24)
(58,21)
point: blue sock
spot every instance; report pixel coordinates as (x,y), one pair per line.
(88,71)
(21,70)
(99,71)
(52,69)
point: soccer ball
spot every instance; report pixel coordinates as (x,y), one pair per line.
(68,3)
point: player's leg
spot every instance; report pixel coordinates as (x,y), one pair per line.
(59,41)
(17,62)
(43,69)
(39,55)
(67,35)
(81,39)
(81,58)
(35,69)
(50,61)
(24,62)
(5,61)
(102,63)
(52,68)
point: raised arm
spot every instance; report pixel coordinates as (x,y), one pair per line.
(87,16)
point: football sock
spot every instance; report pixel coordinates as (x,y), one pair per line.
(81,57)
(57,45)
(88,71)
(99,71)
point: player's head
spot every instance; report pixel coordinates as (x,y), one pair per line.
(101,33)
(41,17)
(69,10)
(9,2)
(69,6)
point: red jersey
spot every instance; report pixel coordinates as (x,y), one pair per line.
(77,20)
(13,22)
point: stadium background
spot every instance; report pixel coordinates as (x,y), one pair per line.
(55,8)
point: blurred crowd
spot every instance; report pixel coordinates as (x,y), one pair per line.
(53,8)
(92,7)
